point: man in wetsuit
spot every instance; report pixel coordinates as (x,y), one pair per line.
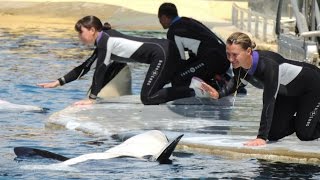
(291,90)
(207,54)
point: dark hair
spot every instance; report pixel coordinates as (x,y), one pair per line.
(88,22)
(106,26)
(168,9)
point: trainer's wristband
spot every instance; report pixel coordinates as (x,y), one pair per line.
(61,81)
(261,137)
(92,96)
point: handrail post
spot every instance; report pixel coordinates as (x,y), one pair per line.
(249,20)
(265,29)
(241,20)
(256,27)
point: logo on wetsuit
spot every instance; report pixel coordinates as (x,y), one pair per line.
(313,114)
(155,72)
(192,69)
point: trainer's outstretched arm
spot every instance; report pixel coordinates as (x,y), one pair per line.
(49,85)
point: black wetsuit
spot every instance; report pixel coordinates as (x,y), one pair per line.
(207,52)
(291,95)
(114,49)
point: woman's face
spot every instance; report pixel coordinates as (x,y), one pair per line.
(238,56)
(87,36)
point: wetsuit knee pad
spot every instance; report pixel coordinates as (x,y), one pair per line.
(274,138)
(147,100)
(309,136)
(144,100)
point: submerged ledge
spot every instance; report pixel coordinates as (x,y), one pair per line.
(210,126)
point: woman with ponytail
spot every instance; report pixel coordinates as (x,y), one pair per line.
(291,90)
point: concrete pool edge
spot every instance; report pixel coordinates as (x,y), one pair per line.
(281,155)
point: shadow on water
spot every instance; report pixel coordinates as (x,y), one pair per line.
(280,170)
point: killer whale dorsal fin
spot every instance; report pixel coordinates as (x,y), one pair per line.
(165,154)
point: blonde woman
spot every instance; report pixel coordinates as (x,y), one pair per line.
(291,90)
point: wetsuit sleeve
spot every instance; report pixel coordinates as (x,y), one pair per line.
(228,89)
(79,71)
(99,73)
(231,86)
(271,86)
(171,35)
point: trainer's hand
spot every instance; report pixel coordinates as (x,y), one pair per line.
(256,142)
(212,91)
(50,84)
(84,102)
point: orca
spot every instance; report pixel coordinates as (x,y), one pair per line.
(120,85)
(6,106)
(150,146)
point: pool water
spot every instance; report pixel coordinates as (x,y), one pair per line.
(31,56)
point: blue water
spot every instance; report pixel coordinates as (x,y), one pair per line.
(31,56)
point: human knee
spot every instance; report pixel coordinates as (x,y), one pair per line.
(144,100)
(308,136)
(276,135)
(147,101)
(274,138)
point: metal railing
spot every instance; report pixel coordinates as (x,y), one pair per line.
(259,25)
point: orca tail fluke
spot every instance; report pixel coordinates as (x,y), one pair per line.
(163,158)
(31,152)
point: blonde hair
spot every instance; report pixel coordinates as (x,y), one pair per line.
(241,39)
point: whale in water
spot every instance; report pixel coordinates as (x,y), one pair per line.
(150,146)
(6,106)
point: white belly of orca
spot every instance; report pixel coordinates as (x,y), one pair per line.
(6,106)
(151,145)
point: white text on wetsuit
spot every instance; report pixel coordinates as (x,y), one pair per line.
(313,114)
(154,72)
(192,69)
